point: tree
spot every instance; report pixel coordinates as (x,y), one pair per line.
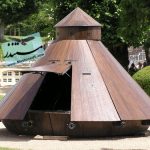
(37,22)
(107,13)
(147,49)
(16,10)
(135,23)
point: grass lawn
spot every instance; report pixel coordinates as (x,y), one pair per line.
(1,97)
(4,148)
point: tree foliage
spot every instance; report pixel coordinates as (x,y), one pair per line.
(13,11)
(135,24)
(143,79)
(37,22)
(16,10)
(135,21)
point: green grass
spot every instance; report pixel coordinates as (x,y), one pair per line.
(4,148)
(1,97)
(143,79)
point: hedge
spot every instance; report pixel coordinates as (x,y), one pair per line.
(143,79)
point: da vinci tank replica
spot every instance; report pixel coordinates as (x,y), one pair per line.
(77,89)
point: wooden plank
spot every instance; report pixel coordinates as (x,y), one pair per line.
(77,18)
(41,123)
(90,33)
(18,101)
(35,122)
(59,123)
(45,59)
(90,99)
(59,51)
(97,129)
(53,68)
(130,100)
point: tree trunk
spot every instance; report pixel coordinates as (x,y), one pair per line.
(147,52)
(121,54)
(1,30)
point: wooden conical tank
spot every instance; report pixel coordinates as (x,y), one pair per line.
(80,89)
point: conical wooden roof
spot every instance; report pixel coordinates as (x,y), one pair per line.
(101,89)
(77,18)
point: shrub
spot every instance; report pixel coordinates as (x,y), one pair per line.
(143,79)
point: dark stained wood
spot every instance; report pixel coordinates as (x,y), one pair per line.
(90,99)
(17,102)
(94,129)
(78,33)
(97,129)
(35,122)
(130,100)
(78,25)
(59,51)
(54,68)
(59,121)
(77,18)
(40,123)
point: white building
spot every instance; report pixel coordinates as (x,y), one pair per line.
(9,76)
(136,55)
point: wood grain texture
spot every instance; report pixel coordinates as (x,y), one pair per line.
(53,68)
(77,18)
(35,122)
(59,123)
(59,51)
(90,99)
(17,102)
(78,33)
(130,100)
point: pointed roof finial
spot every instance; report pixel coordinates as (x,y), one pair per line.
(77,18)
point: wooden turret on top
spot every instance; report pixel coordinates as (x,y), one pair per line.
(78,25)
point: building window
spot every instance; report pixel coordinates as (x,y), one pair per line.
(4,80)
(9,80)
(17,73)
(4,73)
(9,73)
(16,80)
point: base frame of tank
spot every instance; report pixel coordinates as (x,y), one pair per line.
(58,124)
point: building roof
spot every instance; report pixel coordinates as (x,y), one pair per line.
(77,18)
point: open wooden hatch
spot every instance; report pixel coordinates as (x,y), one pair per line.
(77,89)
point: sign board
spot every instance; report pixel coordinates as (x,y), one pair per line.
(21,50)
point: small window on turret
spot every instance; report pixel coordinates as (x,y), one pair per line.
(89,34)
(57,33)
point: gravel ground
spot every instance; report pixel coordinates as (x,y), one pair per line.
(10,140)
